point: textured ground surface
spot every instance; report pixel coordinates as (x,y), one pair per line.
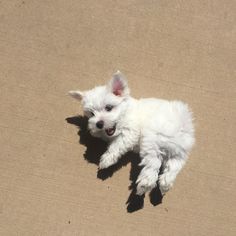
(176,49)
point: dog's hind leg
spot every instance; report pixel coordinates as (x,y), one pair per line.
(171,169)
(151,159)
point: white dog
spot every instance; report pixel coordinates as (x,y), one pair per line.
(161,131)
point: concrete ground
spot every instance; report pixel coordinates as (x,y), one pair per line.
(177,49)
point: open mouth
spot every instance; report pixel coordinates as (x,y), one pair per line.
(110,131)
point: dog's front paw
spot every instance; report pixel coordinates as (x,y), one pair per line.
(105,161)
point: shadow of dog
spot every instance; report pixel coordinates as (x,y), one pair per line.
(96,147)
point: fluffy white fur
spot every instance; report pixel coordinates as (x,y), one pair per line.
(161,131)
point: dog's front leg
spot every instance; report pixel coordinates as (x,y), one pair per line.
(121,145)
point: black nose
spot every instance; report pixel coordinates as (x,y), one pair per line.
(100,124)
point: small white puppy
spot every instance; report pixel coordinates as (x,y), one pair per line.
(161,131)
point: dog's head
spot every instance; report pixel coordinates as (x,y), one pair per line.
(105,107)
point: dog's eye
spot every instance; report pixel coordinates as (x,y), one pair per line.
(89,113)
(108,107)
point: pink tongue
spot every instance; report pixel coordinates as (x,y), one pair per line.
(110,131)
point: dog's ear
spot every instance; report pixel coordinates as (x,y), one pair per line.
(118,85)
(76,94)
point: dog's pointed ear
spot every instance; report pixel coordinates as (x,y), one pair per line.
(118,85)
(76,94)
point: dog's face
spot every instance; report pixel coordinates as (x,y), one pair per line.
(105,106)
